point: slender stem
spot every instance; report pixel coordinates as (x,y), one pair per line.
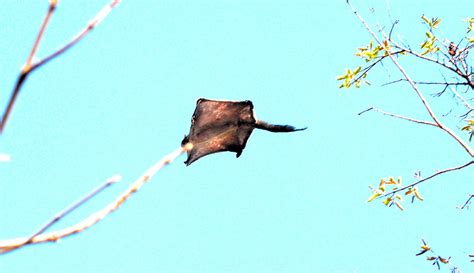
(429,177)
(471,196)
(52,7)
(74,206)
(427,83)
(464,101)
(399,116)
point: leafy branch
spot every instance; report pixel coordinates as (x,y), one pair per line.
(409,189)
(385,47)
(454,59)
(436,259)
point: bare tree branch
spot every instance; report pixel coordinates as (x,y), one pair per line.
(12,244)
(30,67)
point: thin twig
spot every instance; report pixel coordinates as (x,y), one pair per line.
(429,177)
(392,28)
(74,206)
(12,244)
(52,7)
(399,116)
(461,98)
(427,83)
(30,66)
(471,196)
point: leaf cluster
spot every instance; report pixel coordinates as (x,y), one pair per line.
(393,197)
(435,259)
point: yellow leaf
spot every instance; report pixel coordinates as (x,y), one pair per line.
(341,77)
(387,201)
(425,247)
(373,197)
(391,181)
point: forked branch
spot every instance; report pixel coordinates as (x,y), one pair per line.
(29,66)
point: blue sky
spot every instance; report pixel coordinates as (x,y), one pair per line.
(124,97)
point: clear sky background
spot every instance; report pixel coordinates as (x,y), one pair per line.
(296,202)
